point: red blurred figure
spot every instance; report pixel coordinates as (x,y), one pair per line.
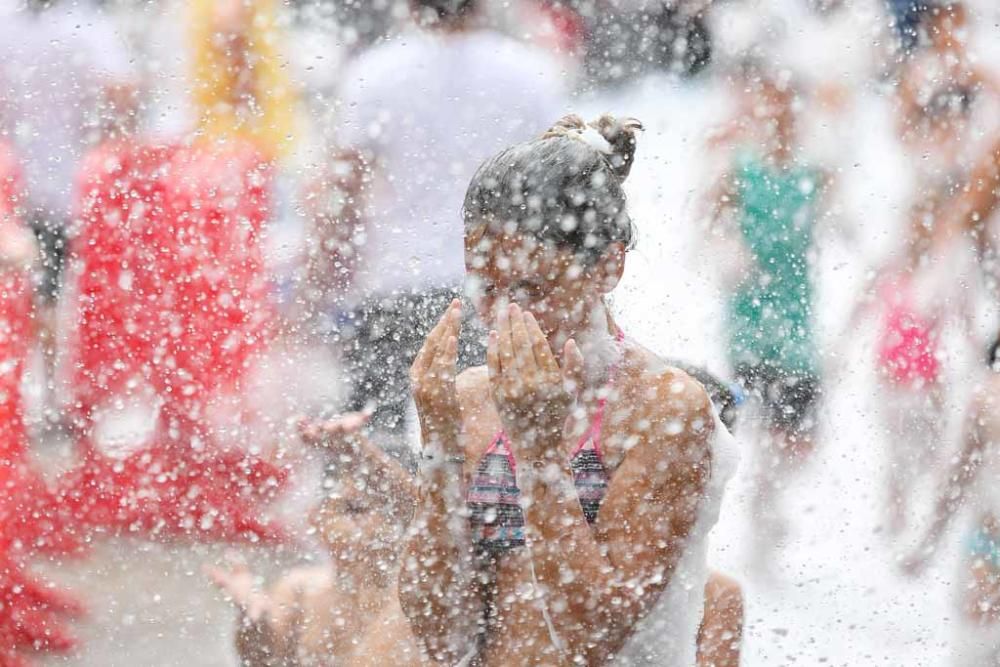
(27,508)
(172,307)
(29,517)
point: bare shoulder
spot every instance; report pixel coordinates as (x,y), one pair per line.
(665,392)
(672,408)
(985,401)
(679,393)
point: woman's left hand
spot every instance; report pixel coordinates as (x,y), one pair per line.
(532,392)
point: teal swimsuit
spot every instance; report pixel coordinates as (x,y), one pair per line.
(770,315)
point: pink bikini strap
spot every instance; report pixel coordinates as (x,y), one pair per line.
(594,432)
(499,438)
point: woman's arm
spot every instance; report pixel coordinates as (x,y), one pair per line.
(260,642)
(437,579)
(355,455)
(599,582)
(647,515)
(961,474)
(721,631)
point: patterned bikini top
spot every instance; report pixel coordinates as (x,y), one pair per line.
(494,499)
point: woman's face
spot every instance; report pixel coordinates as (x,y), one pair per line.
(559,289)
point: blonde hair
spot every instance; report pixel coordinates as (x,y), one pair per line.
(252,99)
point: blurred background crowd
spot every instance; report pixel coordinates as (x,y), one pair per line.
(274,189)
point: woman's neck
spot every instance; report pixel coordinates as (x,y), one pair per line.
(597,337)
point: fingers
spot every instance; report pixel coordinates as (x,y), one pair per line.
(446,355)
(572,366)
(493,357)
(505,344)
(236,580)
(216,575)
(345,424)
(444,362)
(323,433)
(524,358)
(449,324)
(308,431)
(544,358)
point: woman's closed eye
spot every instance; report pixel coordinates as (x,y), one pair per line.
(354,507)
(527,290)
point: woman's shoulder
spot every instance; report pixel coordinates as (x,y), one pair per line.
(986,399)
(668,397)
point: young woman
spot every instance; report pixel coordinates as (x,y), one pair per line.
(767,205)
(949,106)
(971,483)
(568,487)
(769,200)
(346,611)
(947,100)
(947,119)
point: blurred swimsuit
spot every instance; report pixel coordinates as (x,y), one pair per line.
(770,315)
(493,497)
(907,346)
(986,545)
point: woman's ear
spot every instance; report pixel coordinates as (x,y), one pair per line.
(610,267)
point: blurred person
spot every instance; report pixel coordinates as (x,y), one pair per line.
(240,86)
(627,40)
(766,209)
(30,609)
(36,524)
(576,464)
(347,611)
(943,101)
(906,16)
(66,83)
(970,486)
(906,296)
(418,113)
(948,101)
(923,288)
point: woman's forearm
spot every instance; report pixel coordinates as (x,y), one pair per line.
(960,476)
(258,645)
(578,579)
(437,579)
(605,577)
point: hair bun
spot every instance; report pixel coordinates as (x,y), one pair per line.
(614,138)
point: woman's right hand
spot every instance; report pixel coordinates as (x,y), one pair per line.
(432,378)
(240,586)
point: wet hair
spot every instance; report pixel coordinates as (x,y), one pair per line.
(564,188)
(754,72)
(915,19)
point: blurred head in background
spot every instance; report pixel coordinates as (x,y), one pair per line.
(241,87)
(445,14)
